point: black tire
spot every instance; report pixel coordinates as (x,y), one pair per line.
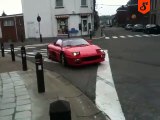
(63,59)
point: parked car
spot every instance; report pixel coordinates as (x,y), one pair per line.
(75,52)
(129,26)
(138,27)
(152,28)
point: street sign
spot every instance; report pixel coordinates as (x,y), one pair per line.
(144,6)
(38,18)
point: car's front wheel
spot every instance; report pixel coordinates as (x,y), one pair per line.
(63,60)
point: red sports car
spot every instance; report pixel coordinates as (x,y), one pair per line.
(75,52)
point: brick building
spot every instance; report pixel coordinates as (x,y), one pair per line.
(11,28)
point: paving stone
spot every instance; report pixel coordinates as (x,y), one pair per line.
(9,90)
(19,93)
(23,97)
(8,95)
(7,85)
(21,89)
(22,86)
(8,100)
(14,79)
(23,107)
(6,118)
(24,119)
(23,115)
(18,83)
(23,102)
(7,106)
(6,112)
(7,81)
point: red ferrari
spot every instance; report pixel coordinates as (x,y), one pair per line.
(75,52)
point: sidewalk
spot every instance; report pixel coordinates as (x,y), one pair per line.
(20,100)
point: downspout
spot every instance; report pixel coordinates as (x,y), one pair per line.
(15,27)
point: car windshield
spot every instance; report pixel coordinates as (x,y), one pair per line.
(74,42)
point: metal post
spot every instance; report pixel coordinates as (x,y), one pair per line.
(12,52)
(68,34)
(41,38)
(90,34)
(2,49)
(101,32)
(24,60)
(39,72)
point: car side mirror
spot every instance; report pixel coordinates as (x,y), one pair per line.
(89,41)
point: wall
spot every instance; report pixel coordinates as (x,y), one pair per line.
(31,9)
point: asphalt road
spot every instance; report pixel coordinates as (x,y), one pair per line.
(135,65)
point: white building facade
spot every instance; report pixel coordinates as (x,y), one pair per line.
(58,17)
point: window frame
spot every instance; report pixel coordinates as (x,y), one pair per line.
(59,6)
(84,5)
(8,23)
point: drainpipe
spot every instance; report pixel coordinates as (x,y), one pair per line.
(15,27)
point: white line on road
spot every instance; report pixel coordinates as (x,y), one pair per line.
(129,35)
(106,95)
(146,35)
(138,36)
(122,37)
(154,35)
(107,37)
(114,37)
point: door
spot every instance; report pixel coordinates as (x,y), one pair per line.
(31,30)
(84,27)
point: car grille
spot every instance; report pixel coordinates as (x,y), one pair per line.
(91,58)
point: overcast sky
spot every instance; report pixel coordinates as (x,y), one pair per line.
(103,6)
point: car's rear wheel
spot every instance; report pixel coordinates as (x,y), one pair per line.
(63,60)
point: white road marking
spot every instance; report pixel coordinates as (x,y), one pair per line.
(154,35)
(122,37)
(48,60)
(146,35)
(138,36)
(107,37)
(29,47)
(129,35)
(37,45)
(44,49)
(106,95)
(114,37)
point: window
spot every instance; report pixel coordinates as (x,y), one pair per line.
(59,42)
(83,2)
(59,3)
(8,23)
(62,26)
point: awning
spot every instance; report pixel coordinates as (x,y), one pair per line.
(62,16)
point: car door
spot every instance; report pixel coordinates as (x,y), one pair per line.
(56,50)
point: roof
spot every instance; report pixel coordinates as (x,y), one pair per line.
(14,15)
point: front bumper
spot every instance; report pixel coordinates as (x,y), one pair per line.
(80,61)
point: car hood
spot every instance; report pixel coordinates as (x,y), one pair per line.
(84,50)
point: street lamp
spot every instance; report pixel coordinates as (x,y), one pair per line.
(39,20)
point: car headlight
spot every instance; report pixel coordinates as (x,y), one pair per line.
(100,50)
(75,53)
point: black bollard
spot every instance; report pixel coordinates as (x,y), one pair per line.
(39,72)
(60,110)
(24,60)
(90,34)
(41,38)
(101,32)
(12,52)
(2,49)
(68,35)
